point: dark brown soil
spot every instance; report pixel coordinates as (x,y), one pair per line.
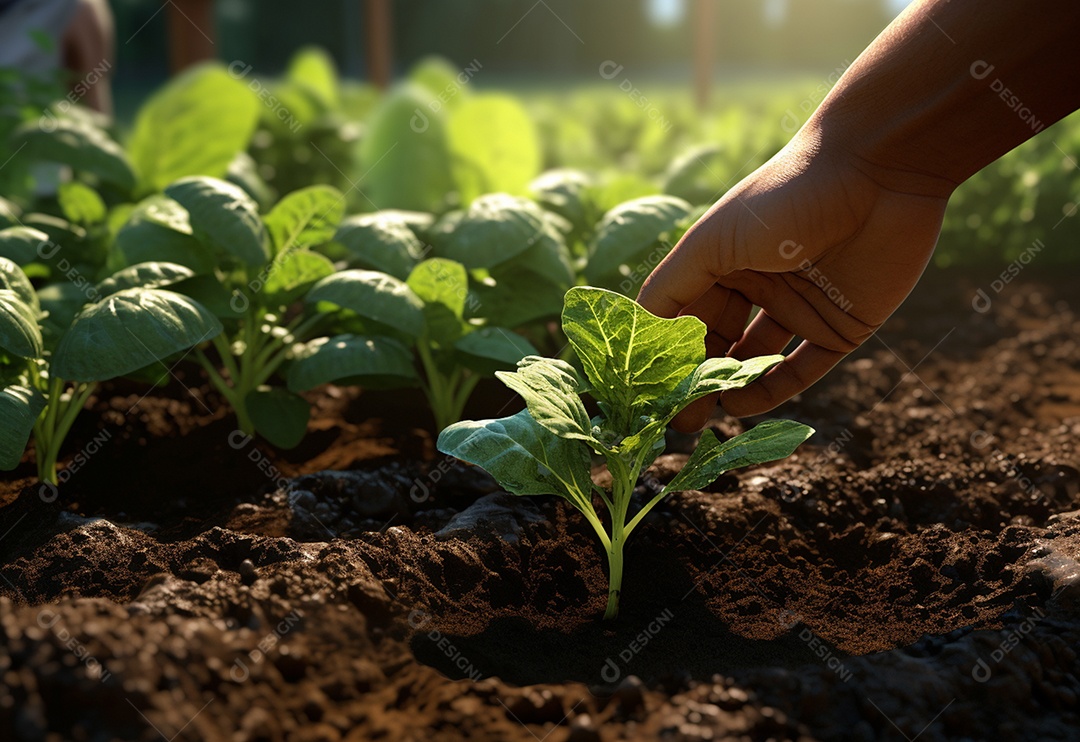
(910,573)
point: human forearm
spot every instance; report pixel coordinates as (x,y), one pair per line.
(950,86)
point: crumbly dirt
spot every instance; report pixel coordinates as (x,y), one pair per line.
(912,572)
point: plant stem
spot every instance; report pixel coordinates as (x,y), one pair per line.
(615,568)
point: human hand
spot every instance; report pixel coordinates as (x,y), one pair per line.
(828,245)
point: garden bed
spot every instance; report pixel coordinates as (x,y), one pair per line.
(909,572)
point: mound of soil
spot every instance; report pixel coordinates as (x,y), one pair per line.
(912,572)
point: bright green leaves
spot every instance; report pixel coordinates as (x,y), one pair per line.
(630,356)
(642,369)
(19,408)
(80,203)
(19,331)
(524,457)
(223,217)
(443,286)
(493,145)
(305,218)
(770,441)
(13,279)
(130,330)
(292,274)
(495,229)
(550,388)
(195,125)
(403,153)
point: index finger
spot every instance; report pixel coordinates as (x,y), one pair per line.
(806,364)
(682,277)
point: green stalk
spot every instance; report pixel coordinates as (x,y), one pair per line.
(51,429)
(622,488)
(436,388)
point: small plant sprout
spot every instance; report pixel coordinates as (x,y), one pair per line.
(641,370)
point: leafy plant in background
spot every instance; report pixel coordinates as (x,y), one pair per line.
(48,372)
(641,370)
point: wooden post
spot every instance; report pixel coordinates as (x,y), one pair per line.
(704,22)
(191,33)
(378,41)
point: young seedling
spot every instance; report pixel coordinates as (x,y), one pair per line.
(641,370)
(49,367)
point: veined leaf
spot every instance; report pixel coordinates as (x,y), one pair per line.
(769,441)
(630,356)
(374,362)
(19,409)
(375,296)
(129,330)
(550,388)
(159,230)
(223,216)
(305,218)
(525,457)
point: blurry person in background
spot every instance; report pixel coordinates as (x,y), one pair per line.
(75,38)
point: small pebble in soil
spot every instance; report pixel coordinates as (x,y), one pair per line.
(247,572)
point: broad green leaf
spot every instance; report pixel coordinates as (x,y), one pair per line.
(526,458)
(81,203)
(517,297)
(382,241)
(550,388)
(13,279)
(19,409)
(223,216)
(313,68)
(244,172)
(490,349)
(769,441)
(19,331)
(493,145)
(279,416)
(144,275)
(82,147)
(496,228)
(305,218)
(159,230)
(129,330)
(443,286)
(195,125)
(23,245)
(212,294)
(373,362)
(630,356)
(375,296)
(403,154)
(627,243)
(292,274)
